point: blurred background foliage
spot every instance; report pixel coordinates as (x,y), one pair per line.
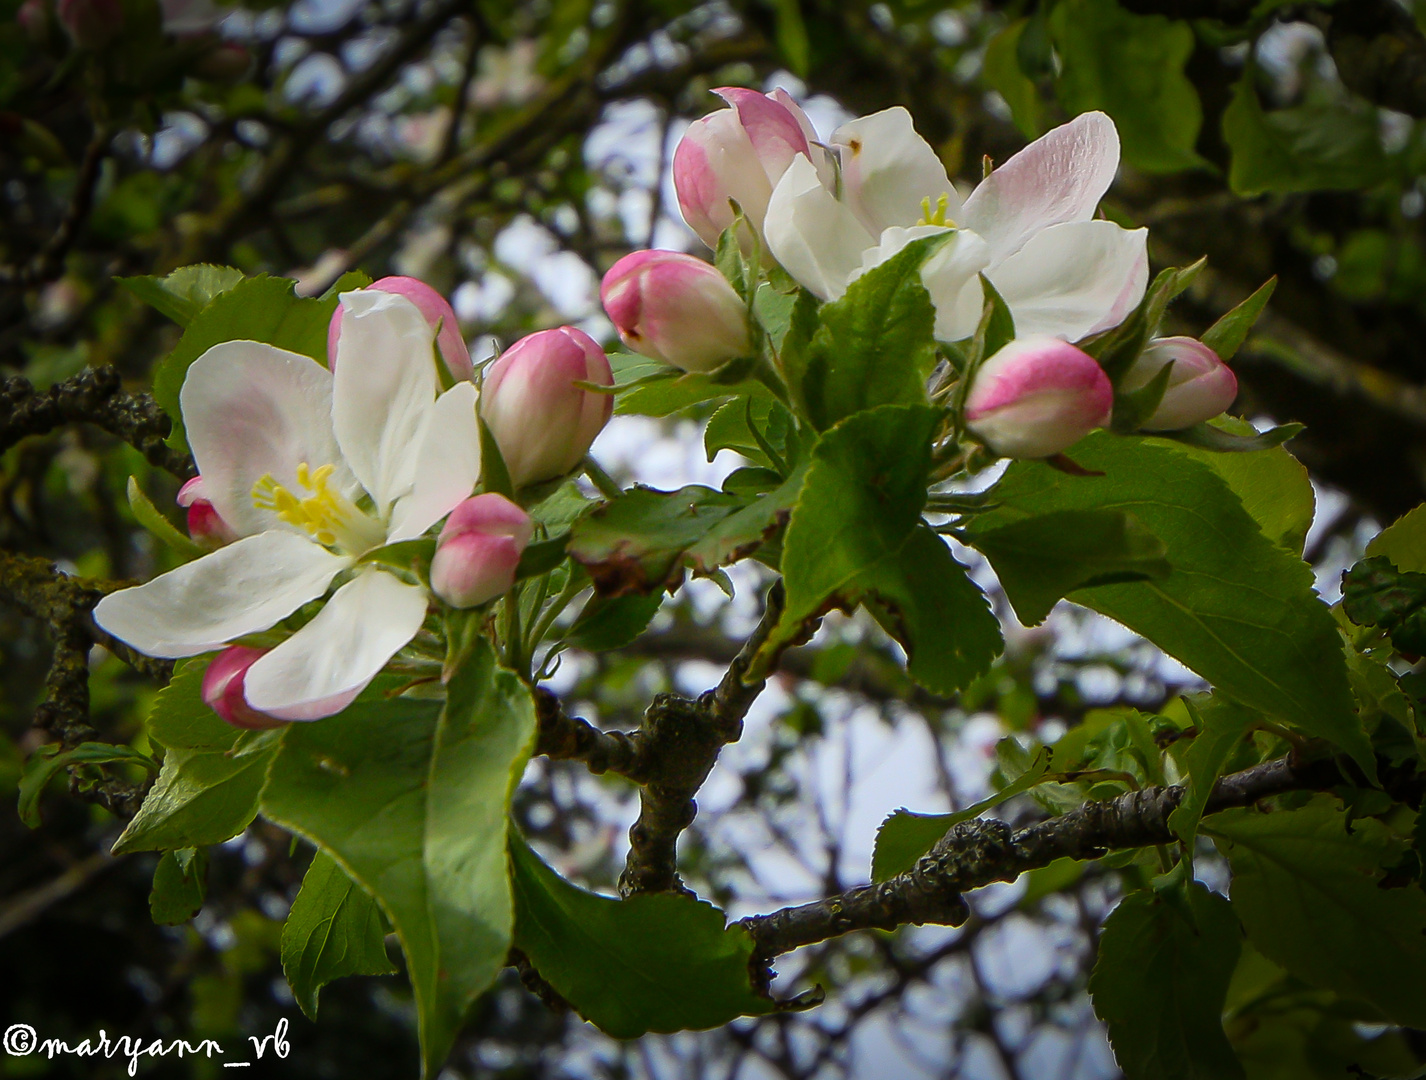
(508,153)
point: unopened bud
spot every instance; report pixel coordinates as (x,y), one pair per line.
(205,525)
(543,423)
(223,689)
(676,308)
(1200,386)
(1036,397)
(438,313)
(479,549)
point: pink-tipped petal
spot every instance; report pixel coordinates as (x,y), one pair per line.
(772,129)
(223,689)
(1200,386)
(676,308)
(1037,397)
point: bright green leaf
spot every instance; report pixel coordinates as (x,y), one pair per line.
(180,884)
(47,761)
(655,962)
(182,294)
(158,526)
(1404,541)
(334,929)
(1226,336)
(1221,725)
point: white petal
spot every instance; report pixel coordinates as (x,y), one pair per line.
(1074,280)
(239,589)
(888,169)
(1059,177)
(817,239)
(251,409)
(383,390)
(448,466)
(362,626)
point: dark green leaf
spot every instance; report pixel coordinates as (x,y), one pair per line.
(744,531)
(1236,608)
(856,536)
(1312,147)
(334,929)
(655,962)
(904,837)
(997,326)
(1117,350)
(1039,560)
(182,294)
(1003,72)
(180,884)
(1131,66)
(257,309)
(1226,336)
(1160,981)
(655,389)
(635,543)
(201,797)
(1221,725)
(1375,593)
(612,622)
(541,557)
(494,476)
(1211,437)
(412,801)
(874,345)
(1307,892)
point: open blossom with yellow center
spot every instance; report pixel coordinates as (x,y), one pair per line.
(312,469)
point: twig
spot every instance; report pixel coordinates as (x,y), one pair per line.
(49,260)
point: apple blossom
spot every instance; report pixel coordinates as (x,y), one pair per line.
(1036,397)
(740,153)
(543,423)
(438,313)
(223,688)
(1200,386)
(479,549)
(312,470)
(1027,227)
(205,524)
(676,308)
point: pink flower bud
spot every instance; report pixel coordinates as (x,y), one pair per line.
(542,422)
(676,308)
(91,23)
(1036,397)
(438,312)
(738,153)
(33,18)
(223,689)
(479,549)
(1200,385)
(205,525)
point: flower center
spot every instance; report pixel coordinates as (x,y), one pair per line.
(937,216)
(327,515)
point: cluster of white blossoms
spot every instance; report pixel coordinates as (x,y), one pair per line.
(305,471)
(828,213)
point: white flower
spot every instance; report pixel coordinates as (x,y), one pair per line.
(312,470)
(1028,226)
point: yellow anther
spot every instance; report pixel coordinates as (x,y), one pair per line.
(937,216)
(326,515)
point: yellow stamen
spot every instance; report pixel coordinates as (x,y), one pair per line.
(326,514)
(937,216)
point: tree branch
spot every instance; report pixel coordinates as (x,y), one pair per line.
(975,853)
(49,260)
(93,396)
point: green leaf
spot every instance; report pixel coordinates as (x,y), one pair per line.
(613,622)
(185,292)
(1307,892)
(790,32)
(1003,73)
(1236,608)
(256,309)
(1375,593)
(158,526)
(1131,66)
(745,531)
(541,557)
(655,389)
(1226,336)
(180,720)
(1039,560)
(997,325)
(1210,436)
(1404,541)
(655,962)
(201,797)
(1117,350)
(1311,147)
(761,429)
(875,345)
(334,929)
(48,760)
(1160,981)
(904,837)
(180,884)
(635,543)
(1221,725)
(856,536)
(411,800)
(494,475)
(1048,880)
